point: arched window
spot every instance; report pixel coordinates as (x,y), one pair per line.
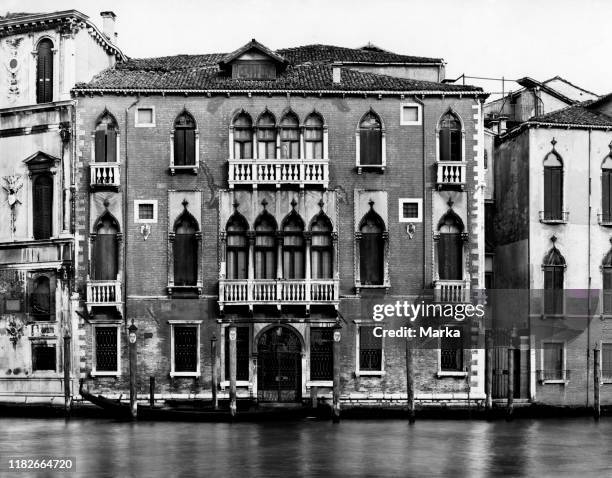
(43,206)
(606,271)
(553,187)
(293,246)
(243,136)
(290,136)
(606,190)
(237,249)
(185,250)
(106,139)
(184,140)
(450,137)
(265,246)
(266,136)
(321,250)
(371,249)
(44,72)
(450,247)
(106,248)
(370,140)
(40,299)
(313,136)
(553,266)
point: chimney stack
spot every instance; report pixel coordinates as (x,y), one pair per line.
(336,72)
(108,25)
(502,124)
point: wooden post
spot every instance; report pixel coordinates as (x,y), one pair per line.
(152,391)
(510,404)
(336,389)
(410,382)
(314,397)
(232,367)
(67,393)
(489,372)
(596,383)
(214,382)
(132,358)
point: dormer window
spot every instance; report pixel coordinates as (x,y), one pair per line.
(253,70)
(253,61)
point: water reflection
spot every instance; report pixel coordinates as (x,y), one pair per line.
(576,447)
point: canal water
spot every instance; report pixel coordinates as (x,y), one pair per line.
(538,448)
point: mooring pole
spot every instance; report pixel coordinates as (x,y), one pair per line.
(214,381)
(67,393)
(232,367)
(510,404)
(336,383)
(132,356)
(596,383)
(489,373)
(410,382)
(152,391)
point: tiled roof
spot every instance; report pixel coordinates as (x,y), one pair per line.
(200,75)
(578,115)
(329,53)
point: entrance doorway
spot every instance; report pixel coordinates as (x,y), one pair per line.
(279,366)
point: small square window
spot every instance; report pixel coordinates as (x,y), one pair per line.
(145,211)
(410,210)
(410,114)
(145,117)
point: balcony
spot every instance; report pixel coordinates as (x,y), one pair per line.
(451,174)
(276,172)
(104,293)
(452,291)
(104,175)
(278,292)
(550,217)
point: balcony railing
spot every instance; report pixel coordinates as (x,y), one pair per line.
(104,175)
(104,293)
(451,173)
(554,217)
(452,291)
(276,172)
(278,292)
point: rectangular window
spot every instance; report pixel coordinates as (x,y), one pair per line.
(606,361)
(242,354)
(552,366)
(451,353)
(106,340)
(607,290)
(145,211)
(606,195)
(410,114)
(370,144)
(43,357)
(553,194)
(145,117)
(370,350)
(410,210)
(321,353)
(185,348)
(106,145)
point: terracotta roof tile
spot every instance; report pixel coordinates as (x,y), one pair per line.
(580,115)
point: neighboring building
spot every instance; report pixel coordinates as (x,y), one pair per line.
(42,57)
(277,192)
(552,250)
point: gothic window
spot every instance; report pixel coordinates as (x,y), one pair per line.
(184,140)
(606,190)
(290,136)
(106,139)
(266,136)
(553,187)
(237,248)
(265,246)
(313,136)
(321,353)
(293,246)
(106,248)
(242,354)
(450,247)
(43,206)
(371,249)
(321,250)
(40,299)
(185,250)
(370,140)
(554,269)
(44,72)
(450,137)
(243,136)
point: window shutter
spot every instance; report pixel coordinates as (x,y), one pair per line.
(445,144)
(44,73)
(105,257)
(100,146)
(111,146)
(557,192)
(189,147)
(605,195)
(455,145)
(179,147)
(371,258)
(548,193)
(43,207)
(185,260)
(364,147)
